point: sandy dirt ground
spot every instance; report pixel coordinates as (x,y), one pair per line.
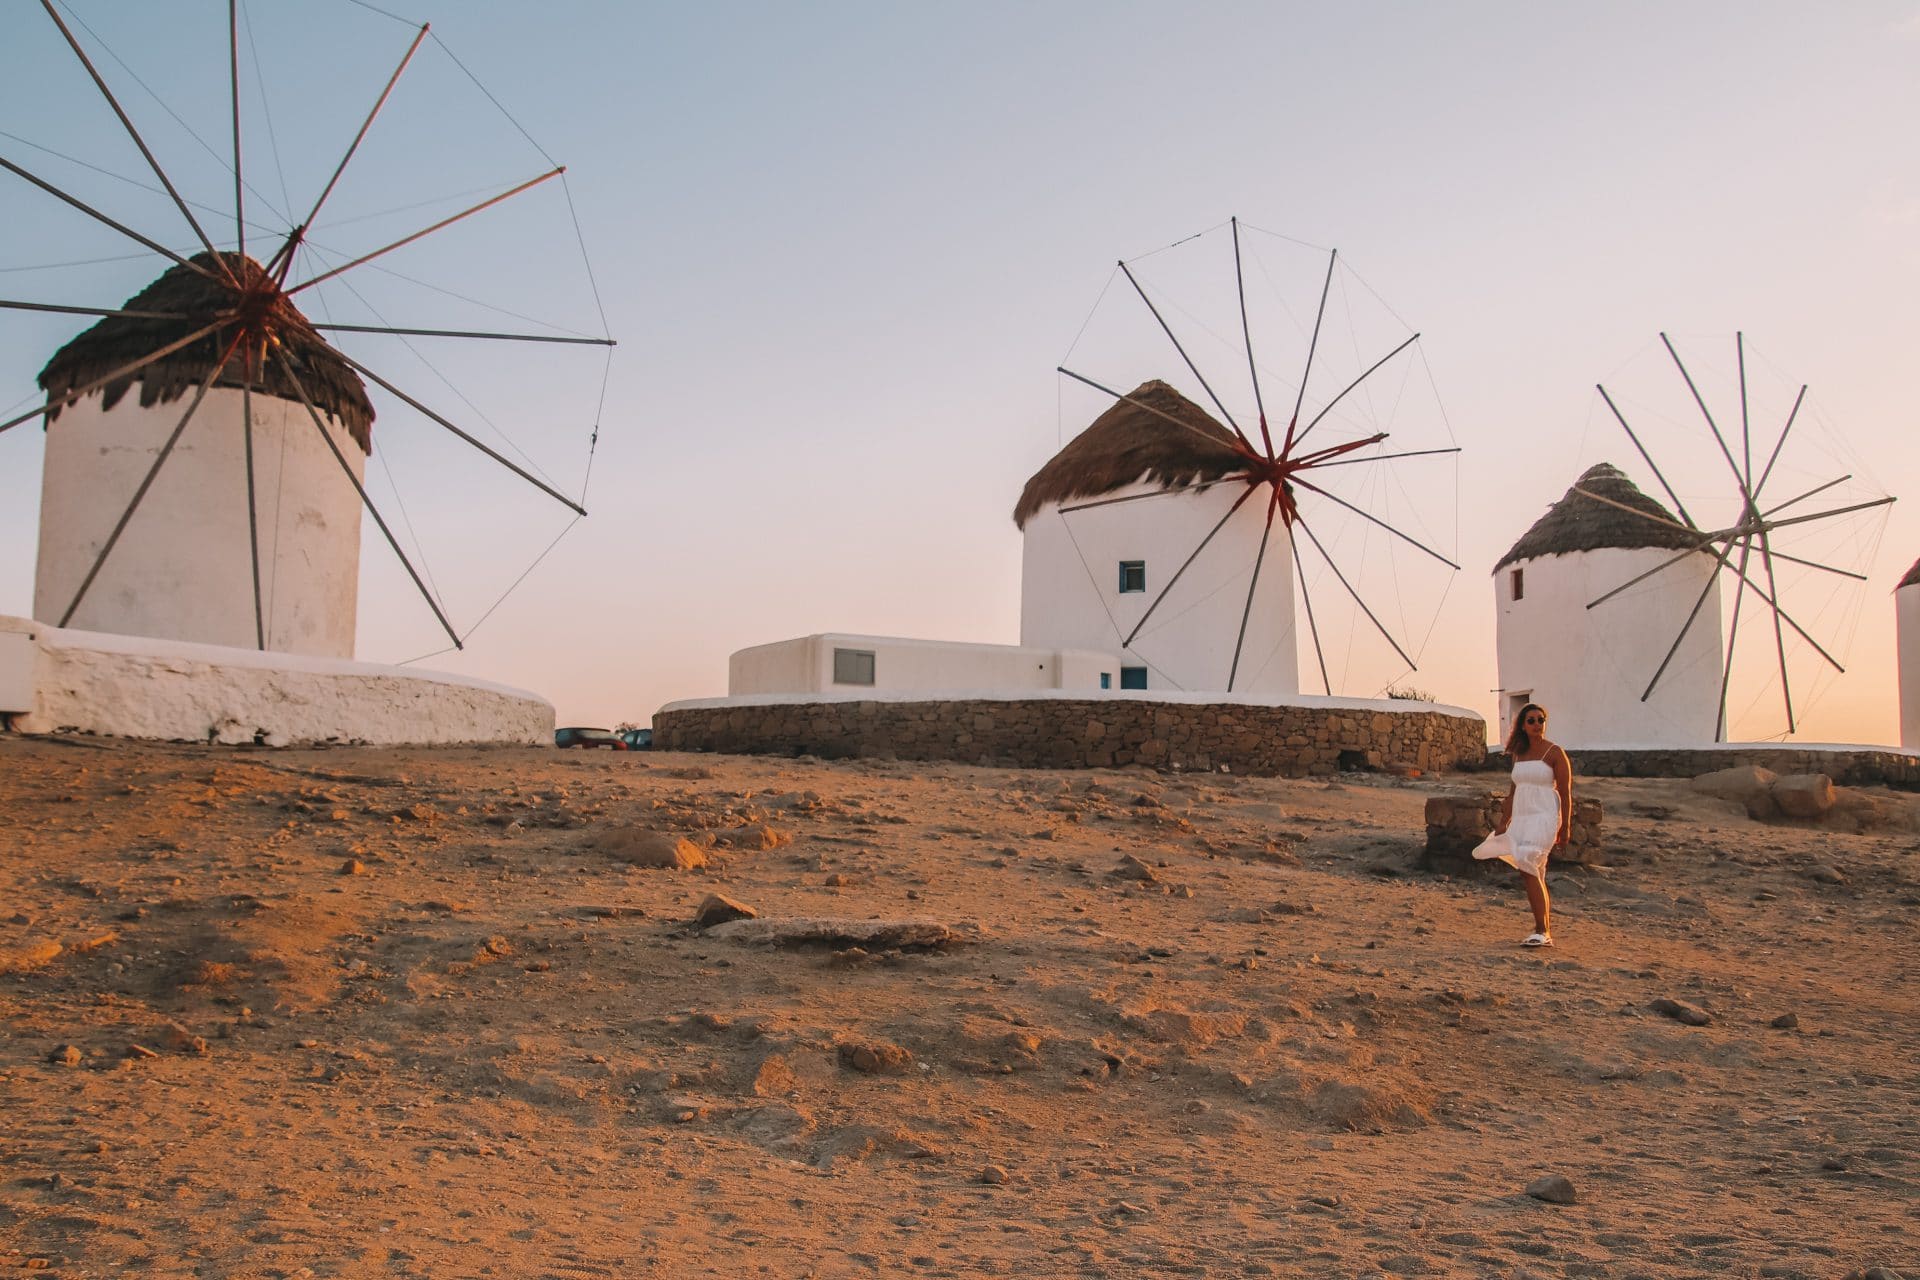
(415,1013)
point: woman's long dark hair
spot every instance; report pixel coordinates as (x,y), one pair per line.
(1518,741)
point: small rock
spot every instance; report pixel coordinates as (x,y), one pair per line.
(353,867)
(1824,874)
(180,1040)
(993,1175)
(31,956)
(1879,1273)
(1786,1022)
(140,1051)
(1554,1188)
(1132,868)
(1833,1164)
(1681,1011)
(879,1057)
(717,908)
(641,847)
(66,1056)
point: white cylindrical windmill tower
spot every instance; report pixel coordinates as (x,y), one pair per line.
(250,474)
(1906,607)
(1110,529)
(1592,667)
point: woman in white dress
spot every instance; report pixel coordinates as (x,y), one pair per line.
(1537,819)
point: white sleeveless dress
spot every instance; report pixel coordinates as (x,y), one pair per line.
(1535,824)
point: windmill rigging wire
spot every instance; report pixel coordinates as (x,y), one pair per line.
(1304,244)
(224,163)
(606,331)
(1205,231)
(266,108)
(524,573)
(77,262)
(408,343)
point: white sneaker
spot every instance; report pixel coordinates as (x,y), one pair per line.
(1538,940)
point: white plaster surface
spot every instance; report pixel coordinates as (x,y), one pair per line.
(135,687)
(805,665)
(1906,608)
(1070,596)
(1588,668)
(181,570)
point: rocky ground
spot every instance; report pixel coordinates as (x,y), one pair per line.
(440,1013)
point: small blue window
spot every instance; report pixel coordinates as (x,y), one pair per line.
(1133,677)
(1133,576)
(1106,679)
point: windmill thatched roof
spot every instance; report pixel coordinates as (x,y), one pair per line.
(120,340)
(1578,523)
(1913,576)
(1127,445)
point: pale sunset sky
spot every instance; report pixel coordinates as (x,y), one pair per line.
(844,245)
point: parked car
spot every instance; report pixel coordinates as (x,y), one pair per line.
(578,736)
(636,739)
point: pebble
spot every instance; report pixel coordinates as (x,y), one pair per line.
(717,908)
(877,1058)
(1681,1011)
(1786,1022)
(993,1175)
(66,1056)
(1554,1188)
(181,1040)
(353,867)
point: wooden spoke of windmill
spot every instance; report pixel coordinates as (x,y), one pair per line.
(1752,531)
(1284,470)
(226,312)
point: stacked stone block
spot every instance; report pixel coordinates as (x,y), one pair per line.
(1457,823)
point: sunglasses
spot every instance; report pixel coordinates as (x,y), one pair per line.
(1534,720)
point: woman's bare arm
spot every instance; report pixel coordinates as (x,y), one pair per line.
(1563,785)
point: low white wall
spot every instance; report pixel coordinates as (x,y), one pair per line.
(805,665)
(131,687)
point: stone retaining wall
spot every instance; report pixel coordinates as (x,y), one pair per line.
(1847,766)
(1071,733)
(1457,823)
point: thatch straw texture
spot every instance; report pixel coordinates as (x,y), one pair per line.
(1578,523)
(1128,445)
(1913,576)
(120,340)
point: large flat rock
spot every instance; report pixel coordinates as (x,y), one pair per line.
(834,931)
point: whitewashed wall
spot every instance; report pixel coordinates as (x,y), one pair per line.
(1906,608)
(134,687)
(1589,667)
(182,571)
(805,665)
(1070,596)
